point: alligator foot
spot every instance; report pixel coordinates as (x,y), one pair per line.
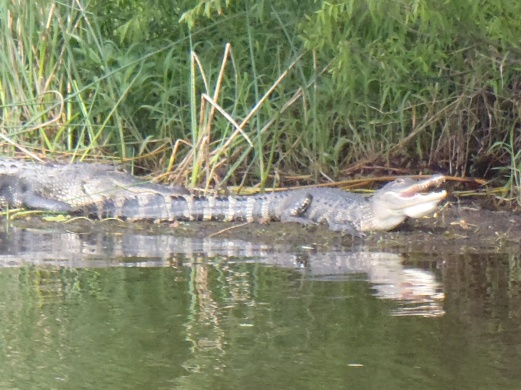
(346,228)
(301,220)
(294,209)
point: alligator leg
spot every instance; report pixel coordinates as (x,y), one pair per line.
(293,210)
(295,207)
(348,228)
(16,192)
(36,202)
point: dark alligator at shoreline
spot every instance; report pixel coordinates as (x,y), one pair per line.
(105,191)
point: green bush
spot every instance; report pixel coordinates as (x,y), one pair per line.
(317,88)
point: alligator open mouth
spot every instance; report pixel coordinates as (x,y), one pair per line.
(416,198)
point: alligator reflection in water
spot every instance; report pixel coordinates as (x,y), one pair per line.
(415,289)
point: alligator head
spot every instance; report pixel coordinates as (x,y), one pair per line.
(403,198)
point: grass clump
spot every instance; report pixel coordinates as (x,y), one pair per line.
(57,84)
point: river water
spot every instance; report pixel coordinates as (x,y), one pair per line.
(145,311)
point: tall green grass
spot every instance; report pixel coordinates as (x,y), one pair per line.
(422,83)
(59,90)
(213,93)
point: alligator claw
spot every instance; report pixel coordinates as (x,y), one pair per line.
(346,228)
(301,220)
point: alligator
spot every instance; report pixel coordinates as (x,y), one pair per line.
(66,187)
(104,191)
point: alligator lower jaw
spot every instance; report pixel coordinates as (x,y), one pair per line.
(415,202)
(423,204)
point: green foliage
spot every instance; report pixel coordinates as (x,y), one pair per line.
(60,82)
(434,80)
(242,92)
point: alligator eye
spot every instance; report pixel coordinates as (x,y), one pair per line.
(399,180)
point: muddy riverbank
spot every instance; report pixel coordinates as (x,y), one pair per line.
(455,227)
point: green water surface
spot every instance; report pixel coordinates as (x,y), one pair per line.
(249,326)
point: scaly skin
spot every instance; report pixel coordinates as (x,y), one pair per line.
(340,210)
(65,187)
(103,191)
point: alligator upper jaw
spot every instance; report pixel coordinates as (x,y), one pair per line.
(415,202)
